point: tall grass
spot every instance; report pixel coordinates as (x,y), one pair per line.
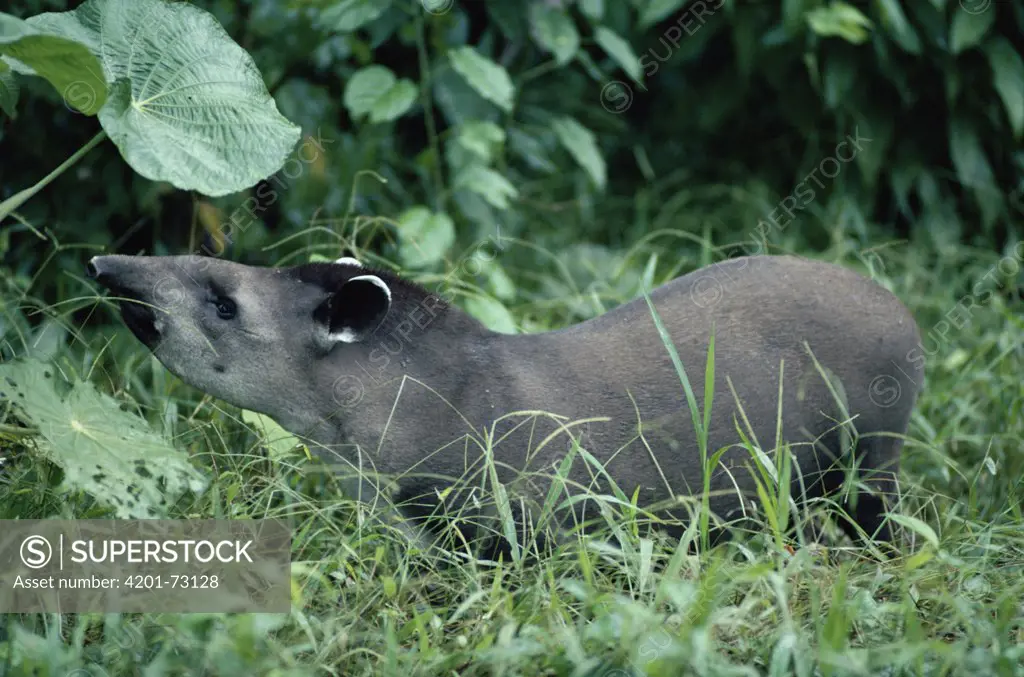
(626,600)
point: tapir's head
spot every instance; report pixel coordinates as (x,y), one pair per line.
(255,337)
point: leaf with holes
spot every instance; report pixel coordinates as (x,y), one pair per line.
(187,105)
(110,453)
(63,61)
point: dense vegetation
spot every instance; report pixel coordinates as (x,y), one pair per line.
(543,160)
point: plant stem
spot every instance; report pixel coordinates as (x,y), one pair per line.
(428,110)
(21,197)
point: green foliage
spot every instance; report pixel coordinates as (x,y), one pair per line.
(540,161)
(102,449)
(204,122)
(65,63)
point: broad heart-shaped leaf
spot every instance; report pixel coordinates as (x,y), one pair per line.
(582,145)
(554,31)
(105,451)
(187,105)
(425,236)
(1008,79)
(968,28)
(489,79)
(8,90)
(64,62)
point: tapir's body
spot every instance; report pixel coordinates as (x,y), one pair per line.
(413,390)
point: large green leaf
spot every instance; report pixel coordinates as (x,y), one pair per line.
(187,105)
(63,61)
(110,453)
(8,90)
(554,31)
(489,79)
(1008,79)
(582,145)
(968,28)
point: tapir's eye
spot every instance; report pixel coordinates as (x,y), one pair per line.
(226,308)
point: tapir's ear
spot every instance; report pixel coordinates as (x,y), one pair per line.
(349,261)
(354,311)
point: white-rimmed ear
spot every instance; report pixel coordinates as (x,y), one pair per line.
(349,261)
(353,312)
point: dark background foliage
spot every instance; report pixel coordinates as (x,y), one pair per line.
(741,102)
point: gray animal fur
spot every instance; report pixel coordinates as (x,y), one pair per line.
(389,378)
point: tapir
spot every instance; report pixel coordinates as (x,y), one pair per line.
(425,406)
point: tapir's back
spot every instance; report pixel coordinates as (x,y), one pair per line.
(763,310)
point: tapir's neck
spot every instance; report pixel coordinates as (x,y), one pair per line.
(406,381)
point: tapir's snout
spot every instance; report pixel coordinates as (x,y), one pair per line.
(92,269)
(113,271)
(127,279)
